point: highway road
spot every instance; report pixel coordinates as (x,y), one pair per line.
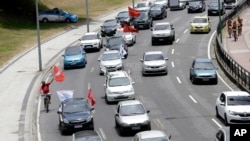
(178,107)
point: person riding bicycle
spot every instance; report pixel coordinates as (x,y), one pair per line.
(44,89)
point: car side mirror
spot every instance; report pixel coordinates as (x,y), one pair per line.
(141,60)
(151,29)
(92,109)
(133,83)
(170,136)
(116,114)
(104,85)
(166,58)
(59,112)
(148,111)
(79,39)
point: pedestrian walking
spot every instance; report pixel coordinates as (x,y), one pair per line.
(239,24)
(229,26)
(235,29)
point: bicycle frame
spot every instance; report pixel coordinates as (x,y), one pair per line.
(46,101)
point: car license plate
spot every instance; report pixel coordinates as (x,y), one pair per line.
(88,46)
(214,12)
(73,63)
(205,79)
(141,26)
(244,118)
(161,39)
(136,128)
(78,126)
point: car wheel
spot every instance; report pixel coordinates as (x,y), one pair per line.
(149,127)
(45,20)
(106,99)
(91,126)
(121,131)
(67,20)
(135,40)
(63,132)
(116,124)
(193,80)
(225,118)
(215,81)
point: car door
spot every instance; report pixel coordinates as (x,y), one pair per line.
(117,114)
(221,104)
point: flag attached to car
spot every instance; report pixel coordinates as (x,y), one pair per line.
(127,28)
(58,74)
(64,94)
(133,12)
(91,96)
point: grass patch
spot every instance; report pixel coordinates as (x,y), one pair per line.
(19,33)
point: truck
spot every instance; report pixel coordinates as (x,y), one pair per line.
(173,4)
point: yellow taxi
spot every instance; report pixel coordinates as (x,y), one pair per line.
(200,24)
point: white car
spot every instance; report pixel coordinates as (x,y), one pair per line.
(91,41)
(110,60)
(233,107)
(154,62)
(152,135)
(118,86)
(129,37)
(143,5)
(163,2)
(163,32)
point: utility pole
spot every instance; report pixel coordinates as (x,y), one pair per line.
(38,38)
(220,26)
(87,14)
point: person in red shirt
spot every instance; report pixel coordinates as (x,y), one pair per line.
(44,89)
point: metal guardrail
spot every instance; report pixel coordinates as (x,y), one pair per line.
(232,69)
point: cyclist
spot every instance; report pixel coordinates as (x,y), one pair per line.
(44,89)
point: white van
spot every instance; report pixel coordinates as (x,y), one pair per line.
(231,4)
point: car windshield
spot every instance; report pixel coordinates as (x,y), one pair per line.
(162,27)
(111,56)
(75,107)
(89,37)
(143,15)
(152,57)
(123,14)
(159,0)
(155,139)
(238,100)
(88,138)
(128,110)
(204,66)
(115,41)
(139,5)
(214,4)
(200,20)
(119,81)
(194,3)
(156,8)
(72,51)
(109,23)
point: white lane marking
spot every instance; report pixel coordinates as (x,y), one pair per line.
(216,123)
(192,99)
(177,40)
(160,124)
(102,134)
(172,51)
(142,99)
(208,54)
(172,64)
(178,79)
(37,120)
(92,69)
(185,31)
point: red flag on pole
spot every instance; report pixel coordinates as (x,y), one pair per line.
(91,97)
(58,74)
(133,12)
(127,28)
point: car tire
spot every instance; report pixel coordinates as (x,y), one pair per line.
(116,124)
(121,131)
(63,132)
(215,81)
(106,100)
(149,127)
(67,20)
(45,20)
(225,120)
(193,80)
(91,126)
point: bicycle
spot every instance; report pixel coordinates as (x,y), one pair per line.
(46,101)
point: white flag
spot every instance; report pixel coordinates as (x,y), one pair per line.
(123,52)
(65,94)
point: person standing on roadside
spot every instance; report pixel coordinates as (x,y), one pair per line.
(240,24)
(229,26)
(234,29)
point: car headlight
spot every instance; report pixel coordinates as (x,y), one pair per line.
(146,66)
(124,124)
(232,112)
(65,120)
(163,65)
(119,65)
(131,90)
(110,92)
(89,118)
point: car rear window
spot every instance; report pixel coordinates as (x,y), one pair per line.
(72,51)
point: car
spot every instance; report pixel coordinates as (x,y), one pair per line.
(182,5)
(157,12)
(110,60)
(200,24)
(74,56)
(163,2)
(231,4)
(163,32)
(109,27)
(143,5)
(154,62)
(75,114)
(152,135)
(57,15)
(91,41)
(131,115)
(196,6)
(129,37)
(203,69)
(123,17)
(233,107)
(223,134)
(213,8)
(117,43)
(143,21)
(118,87)
(87,135)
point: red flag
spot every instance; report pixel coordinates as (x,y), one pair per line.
(58,74)
(127,28)
(91,97)
(133,12)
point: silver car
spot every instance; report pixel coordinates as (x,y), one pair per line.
(110,60)
(131,115)
(154,62)
(152,135)
(119,86)
(233,107)
(91,41)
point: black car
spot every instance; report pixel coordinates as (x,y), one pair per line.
(196,6)
(144,20)
(117,43)
(75,114)
(213,8)
(158,12)
(123,17)
(109,27)
(87,135)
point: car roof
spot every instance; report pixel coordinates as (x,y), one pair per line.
(201,16)
(110,20)
(129,102)
(162,23)
(151,134)
(153,52)
(91,33)
(116,74)
(111,51)
(74,100)
(236,93)
(85,133)
(202,60)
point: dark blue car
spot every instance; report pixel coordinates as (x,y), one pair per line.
(74,56)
